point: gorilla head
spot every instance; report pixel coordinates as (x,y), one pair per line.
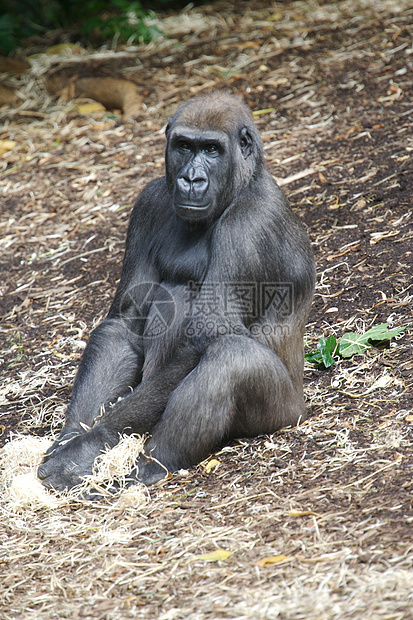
(213,149)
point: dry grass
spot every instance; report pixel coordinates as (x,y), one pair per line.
(132,558)
(318,518)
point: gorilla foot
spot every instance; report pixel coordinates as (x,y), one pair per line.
(65,436)
(148,471)
(65,467)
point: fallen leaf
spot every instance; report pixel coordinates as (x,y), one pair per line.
(260,112)
(215,556)
(6,145)
(210,465)
(353,344)
(324,353)
(90,108)
(302,513)
(272,559)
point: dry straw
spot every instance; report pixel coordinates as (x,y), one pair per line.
(22,490)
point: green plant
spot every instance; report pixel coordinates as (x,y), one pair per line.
(349,344)
(8,34)
(93,20)
(105,20)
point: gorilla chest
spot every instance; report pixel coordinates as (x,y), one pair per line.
(181,260)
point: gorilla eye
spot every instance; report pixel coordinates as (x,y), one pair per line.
(184,146)
(211,148)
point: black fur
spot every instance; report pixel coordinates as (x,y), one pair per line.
(180,355)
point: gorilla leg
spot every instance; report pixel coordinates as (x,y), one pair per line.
(240,388)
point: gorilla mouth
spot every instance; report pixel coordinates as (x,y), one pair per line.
(191,211)
(193,207)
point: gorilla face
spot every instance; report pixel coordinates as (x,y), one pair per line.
(199,165)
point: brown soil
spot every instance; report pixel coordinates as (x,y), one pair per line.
(339,139)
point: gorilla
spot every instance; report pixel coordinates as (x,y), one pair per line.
(203,342)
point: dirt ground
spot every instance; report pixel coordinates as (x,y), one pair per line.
(318,519)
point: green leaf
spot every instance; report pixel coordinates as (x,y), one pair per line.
(327,347)
(314,357)
(379,333)
(352,344)
(324,353)
(355,344)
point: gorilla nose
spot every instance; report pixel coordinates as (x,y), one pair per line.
(193,179)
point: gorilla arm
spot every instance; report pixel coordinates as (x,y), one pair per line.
(113,359)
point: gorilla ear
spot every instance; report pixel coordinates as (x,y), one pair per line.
(245,142)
